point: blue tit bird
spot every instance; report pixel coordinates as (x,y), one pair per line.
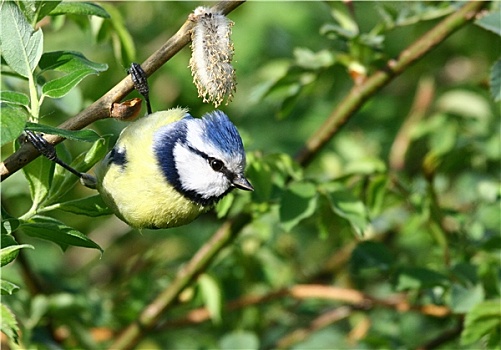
(168,168)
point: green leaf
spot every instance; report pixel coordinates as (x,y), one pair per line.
(298,202)
(376,194)
(466,104)
(308,59)
(239,340)
(491,22)
(15,98)
(64,180)
(21,46)
(91,206)
(9,224)
(9,324)
(55,231)
(10,249)
(224,205)
(39,174)
(483,319)
(349,207)
(463,299)
(411,278)
(8,288)
(12,123)
(75,66)
(211,294)
(79,8)
(341,13)
(369,256)
(77,135)
(123,43)
(35,10)
(495,80)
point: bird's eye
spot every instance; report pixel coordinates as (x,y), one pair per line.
(216,164)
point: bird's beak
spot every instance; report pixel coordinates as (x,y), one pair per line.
(242,183)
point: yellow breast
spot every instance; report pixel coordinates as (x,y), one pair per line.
(138,192)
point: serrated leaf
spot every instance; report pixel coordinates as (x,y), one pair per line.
(55,231)
(14,98)
(8,288)
(90,206)
(75,67)
(483,319)
(298,202)
(491,22)
(21,46)
(79,8)
(35,10)
(495,81)
(211,294)
(77,135)
(9,324)
(12,123)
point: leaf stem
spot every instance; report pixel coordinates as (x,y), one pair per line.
(35,103)
(100,109)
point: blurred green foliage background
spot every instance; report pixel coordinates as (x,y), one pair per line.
(418,178)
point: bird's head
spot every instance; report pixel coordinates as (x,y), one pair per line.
(203,158)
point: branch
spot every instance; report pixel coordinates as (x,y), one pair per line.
(325,319)
(422,101)
(361,93)
(348,296)
(150,316)
(349,105)
(100,109)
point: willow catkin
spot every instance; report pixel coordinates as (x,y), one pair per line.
(212,53)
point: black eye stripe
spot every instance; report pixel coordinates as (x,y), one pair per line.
(222,169)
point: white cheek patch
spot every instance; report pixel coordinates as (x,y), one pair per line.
(195,134)
(195,173)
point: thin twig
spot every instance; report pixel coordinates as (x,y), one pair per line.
(422,102)
(442,338)
(150,316)
(348,296)
(100,109)
(361,93)
(350,104)
(325,319)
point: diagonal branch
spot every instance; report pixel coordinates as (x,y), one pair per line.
(347,296)
(100,109)
(361,93)
(151,315)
